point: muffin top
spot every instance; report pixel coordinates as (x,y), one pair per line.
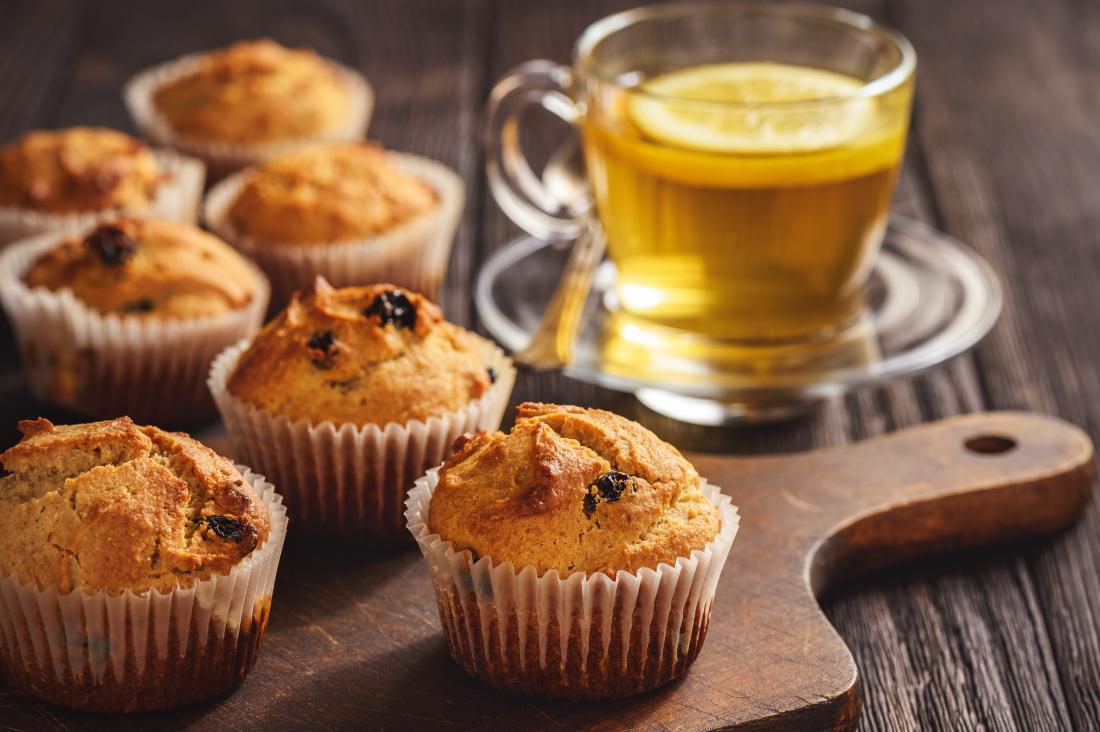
(148,268)
(78,169)
(573,490)
(328,193)
(114,506)
(361,355)
(255,91)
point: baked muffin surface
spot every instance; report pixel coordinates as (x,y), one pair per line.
(255,91)
(328,193)
(572,489)
(114,506)
(148,268)
(361,355)
(78,169)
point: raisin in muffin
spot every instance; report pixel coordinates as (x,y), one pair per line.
(63,179)
(350,394)
(350,212)
(246,102)
(125,318)
(587,502)
(95,518)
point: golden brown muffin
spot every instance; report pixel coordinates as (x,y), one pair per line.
(78,169)
(361,355)
(114,506)
(572,489)
(328,193)
(255,91)
(148,268)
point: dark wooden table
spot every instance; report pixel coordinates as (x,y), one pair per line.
(1005,155)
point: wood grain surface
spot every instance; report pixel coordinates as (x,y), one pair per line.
(1004,155)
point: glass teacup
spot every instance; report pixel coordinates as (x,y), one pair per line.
(741,157)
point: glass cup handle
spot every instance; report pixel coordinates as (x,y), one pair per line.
(517,189)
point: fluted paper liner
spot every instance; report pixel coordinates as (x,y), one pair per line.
(351,480)
(577,636)
(142,651)
(177,197)
(412,255)
(223,158)
(152,369)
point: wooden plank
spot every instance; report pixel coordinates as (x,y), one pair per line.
(36,42)
(1018,176)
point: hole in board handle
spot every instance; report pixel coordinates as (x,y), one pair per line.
(990,444)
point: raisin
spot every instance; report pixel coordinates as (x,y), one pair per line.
(492,375)
(225,527)
(607,487)
(344,386)
(143,305)
(393,308)
(323,342)
(113,245)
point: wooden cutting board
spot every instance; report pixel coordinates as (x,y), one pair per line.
(354,640)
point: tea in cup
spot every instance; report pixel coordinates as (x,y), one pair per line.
(742,158)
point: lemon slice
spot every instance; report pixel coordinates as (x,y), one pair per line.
(684,108)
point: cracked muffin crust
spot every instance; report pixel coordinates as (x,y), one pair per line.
(328,193)
(78,169)
(115,506)
(255,91)
(361,355)
(573,490)
(148,268)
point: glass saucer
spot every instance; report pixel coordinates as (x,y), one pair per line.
(930,298)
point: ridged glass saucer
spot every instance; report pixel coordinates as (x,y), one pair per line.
(930,298)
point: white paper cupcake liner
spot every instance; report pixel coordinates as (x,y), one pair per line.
(223,158)
(576,636)
(110,365)
(142,651)
(413,255)
(178,198)
(350,481)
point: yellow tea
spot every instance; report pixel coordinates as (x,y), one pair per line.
(745,201)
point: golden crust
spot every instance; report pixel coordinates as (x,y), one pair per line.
(521,497)
(328,193)
(78,169)
(327,357)
(255,91)
(148,268)
(114,506)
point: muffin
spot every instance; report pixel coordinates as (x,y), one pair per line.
(573,509)
(349,395)
(66,180)
(126,318)
(350,212)
(249,102)
(136,564)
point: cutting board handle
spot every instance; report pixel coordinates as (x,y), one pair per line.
(959,482)
(972,480)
